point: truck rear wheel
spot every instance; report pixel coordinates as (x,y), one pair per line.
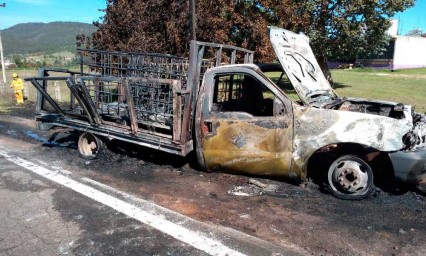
(89,145)
(351,178)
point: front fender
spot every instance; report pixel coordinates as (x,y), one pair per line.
(316,128)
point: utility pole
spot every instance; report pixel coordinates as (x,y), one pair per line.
(192,20)
(3,68)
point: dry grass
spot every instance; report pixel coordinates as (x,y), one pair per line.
(7,96)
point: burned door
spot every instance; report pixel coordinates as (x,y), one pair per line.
(245,128)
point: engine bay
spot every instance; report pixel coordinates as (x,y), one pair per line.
(375,108)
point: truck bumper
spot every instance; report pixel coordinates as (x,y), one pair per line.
(409,167)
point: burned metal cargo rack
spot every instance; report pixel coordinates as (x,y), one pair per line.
(143,98)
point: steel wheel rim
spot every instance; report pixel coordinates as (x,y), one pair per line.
(350,176)
(88,145)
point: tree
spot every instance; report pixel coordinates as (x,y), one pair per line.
(415,32)
(57,62)
(344,30)
(338,29)
(163,26)
(17,59)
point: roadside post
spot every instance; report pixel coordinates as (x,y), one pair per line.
(3,68)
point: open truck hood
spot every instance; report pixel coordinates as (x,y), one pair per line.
(300,65)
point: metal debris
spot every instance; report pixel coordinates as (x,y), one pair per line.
(265,187)
(249,190)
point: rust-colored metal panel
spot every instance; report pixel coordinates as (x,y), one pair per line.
(259,146)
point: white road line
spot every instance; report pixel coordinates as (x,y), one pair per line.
(197,240)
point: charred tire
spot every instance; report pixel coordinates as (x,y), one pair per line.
(89,145)
(351,178)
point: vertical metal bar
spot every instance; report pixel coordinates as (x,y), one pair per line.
(195,87)
(121,93)
(108,64)
(40,98)
(192,68)
(177,112)
(233,56)
(248,58)
(97,93)
(74,90)
(218,57)
(131,106)
(231,87)
(41,90)
(81,63)
(72,97)
(90,105)
(198,69)
(168,105)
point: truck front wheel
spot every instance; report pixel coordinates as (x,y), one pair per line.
(351,178)
(89,145)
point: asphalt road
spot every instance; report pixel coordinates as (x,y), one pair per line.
(54,202)
(48,211)
(39,217)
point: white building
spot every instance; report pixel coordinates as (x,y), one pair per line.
(404,52)
(409,52)
(393,30)
(8,63)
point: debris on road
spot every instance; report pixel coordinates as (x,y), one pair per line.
(265,187)
(249,190)
(256,188)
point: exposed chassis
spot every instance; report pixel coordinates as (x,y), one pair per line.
(90,120)
(46,121)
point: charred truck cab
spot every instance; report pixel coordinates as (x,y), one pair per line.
(239,120)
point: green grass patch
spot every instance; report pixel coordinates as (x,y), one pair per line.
(364,70)
(405,86)
(402,86)
(416,71)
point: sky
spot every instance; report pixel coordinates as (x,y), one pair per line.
(23,11)
(412,18)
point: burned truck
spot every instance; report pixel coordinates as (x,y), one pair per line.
(223,107)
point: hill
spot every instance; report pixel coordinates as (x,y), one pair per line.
(43,38)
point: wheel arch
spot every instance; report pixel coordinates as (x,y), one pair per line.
(320,159)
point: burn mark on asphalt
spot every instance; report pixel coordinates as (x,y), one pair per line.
(21,182)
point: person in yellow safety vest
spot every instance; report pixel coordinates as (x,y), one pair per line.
(18,86)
